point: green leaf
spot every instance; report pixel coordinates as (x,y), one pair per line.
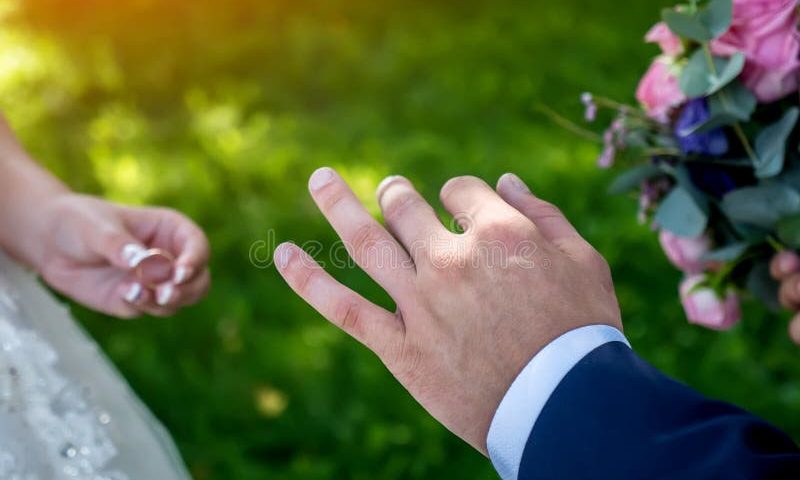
(686,25)
(681,214)
(717,17)
(633,178)
(789,230)
(761,284)
(727,253)
(771,144)
(727,71)
(700,79)
(702,26)
(695,77)
(734,103)
(761,206)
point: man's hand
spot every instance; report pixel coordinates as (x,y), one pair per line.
(86,248)
(472,308)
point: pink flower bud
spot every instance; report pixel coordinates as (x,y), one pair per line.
(669,42)
(659,91)
(684,252)
(704,307)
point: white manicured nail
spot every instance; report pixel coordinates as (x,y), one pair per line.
(164,294)
(320,178)
(133,293)
(181,274)
(133,254)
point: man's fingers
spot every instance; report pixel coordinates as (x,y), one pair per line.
(554,227)
(371,325)
(409,217)
(370,245)
(789,292)
(784,264)
(471,201)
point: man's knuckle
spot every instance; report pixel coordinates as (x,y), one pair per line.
(366,238)
(348,316)
(332,195)
(455,184)
(304,278)
(400,205)
(545,210)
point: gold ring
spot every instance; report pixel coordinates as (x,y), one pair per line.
(147,255)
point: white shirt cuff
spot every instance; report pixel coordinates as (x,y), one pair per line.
(527,396)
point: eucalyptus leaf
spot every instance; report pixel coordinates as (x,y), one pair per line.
(681,214)
(704,24)
(761,206)
(789,230)
(751,234)
(761,284)
(790,175)
(686,25)
(632,178)
(702,78)
(717,17)
(727,253)
(771,144)
(695,78)
(734,103)
(726,72)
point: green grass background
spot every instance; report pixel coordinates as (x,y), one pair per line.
(223,109)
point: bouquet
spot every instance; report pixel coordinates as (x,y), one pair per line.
(713,148)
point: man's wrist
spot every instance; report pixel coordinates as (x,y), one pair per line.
(526,397)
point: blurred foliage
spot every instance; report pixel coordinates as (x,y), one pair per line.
(222,109)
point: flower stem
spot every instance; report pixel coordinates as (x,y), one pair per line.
(775,244)
(737,127)
(568,124)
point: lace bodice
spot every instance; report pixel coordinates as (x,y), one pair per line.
(65,412)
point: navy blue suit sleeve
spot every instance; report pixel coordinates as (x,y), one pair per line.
(614,416)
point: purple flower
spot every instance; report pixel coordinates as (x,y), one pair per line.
(613,139)
(713,142)
(606,158)
(591,107)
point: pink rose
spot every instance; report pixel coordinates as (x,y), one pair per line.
(684,252)
(669,42)
(659,91)
(766,32)
(704,307)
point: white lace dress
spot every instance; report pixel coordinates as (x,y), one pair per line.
(65,412)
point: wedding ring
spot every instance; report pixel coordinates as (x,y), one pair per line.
(150,254)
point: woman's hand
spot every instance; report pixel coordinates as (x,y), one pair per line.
(785,268)
(87,249)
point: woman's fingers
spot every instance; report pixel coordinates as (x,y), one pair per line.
(784,264)
(171,295)
(376,251)
(368,323)
(789,292)
(174,232)
(794,329)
